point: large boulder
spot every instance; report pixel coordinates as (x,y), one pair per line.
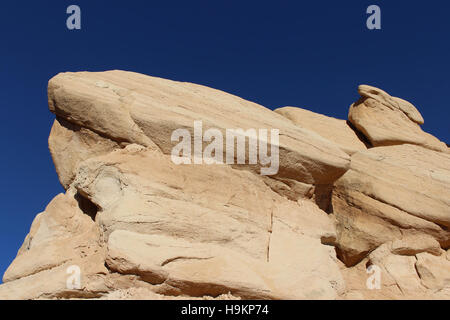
(385,120)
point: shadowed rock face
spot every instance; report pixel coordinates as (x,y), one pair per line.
(138,226)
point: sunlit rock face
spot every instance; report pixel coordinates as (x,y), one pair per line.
(133,224)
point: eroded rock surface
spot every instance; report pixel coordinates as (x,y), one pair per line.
(387,120)
(391,193)
(138,226)
(132,108)
(336,130)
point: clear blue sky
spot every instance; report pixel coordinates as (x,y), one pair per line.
(310,54)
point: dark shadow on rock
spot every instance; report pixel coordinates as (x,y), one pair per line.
(87,206)
(322,197)
(360,135)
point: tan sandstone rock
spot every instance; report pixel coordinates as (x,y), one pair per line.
(423,276)
(62,236)
(387,120)
(145,193)
(111,147)
(389,193)
(414,243)
(70,144)
(434,271)
(138,226)
(237,236)
(333,129)
(397,270)
(132,108)
(194,269)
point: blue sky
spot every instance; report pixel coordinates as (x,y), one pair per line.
(310,54)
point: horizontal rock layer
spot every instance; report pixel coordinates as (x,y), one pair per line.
(131,108)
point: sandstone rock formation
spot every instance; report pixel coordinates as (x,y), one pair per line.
(387,120)
(392,193)
(335,130)
(139,226)
(130,108)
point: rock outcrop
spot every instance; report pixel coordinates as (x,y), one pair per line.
(335,130)
(390,193)
(135,225)
(387,121)
(129,108)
